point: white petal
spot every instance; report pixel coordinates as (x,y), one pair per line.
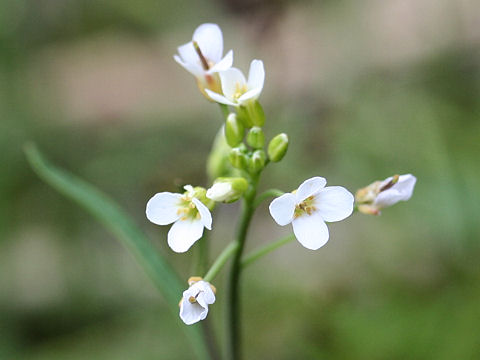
(231,80)
(256,75)
(224,64)
(249,95)
(191,313)
(219,98)
(405,185)
(334,203)
(311,231)
(401,191)
(205,215)
(162,208)
(188,54)
(310,187)
(220,191)
(208,294)
(183,234)
(210,40)
(282,209)
(203,292)
(193,69)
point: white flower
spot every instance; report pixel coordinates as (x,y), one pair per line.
(202,56)
(195,301)
(309,207)
(236,89)
(188,214)
(374,197)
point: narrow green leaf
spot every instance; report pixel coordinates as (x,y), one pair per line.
(107,212)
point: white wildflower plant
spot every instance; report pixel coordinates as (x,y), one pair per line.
(237,90)
(239,161)
(309,207)
(187,213)
(202,57)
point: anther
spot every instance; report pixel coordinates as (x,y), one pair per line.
(200,55)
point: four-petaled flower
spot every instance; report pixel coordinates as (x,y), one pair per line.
(309,207)
(202,57)
(374,197)
(236,89)
(186,211)
(195,300)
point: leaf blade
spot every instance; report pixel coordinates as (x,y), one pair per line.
(110,215)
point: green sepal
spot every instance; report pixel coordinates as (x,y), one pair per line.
(277,147)
(257,162)
(234,130)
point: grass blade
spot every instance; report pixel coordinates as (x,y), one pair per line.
(108,213)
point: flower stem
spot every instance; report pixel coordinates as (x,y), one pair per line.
(264,250)
(267,194)
(233,301)
(201,256)
(220,261)
(225,110)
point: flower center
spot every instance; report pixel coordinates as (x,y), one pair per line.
(240,89)
(305,207)
(187,209)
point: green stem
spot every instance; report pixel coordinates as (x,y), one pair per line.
(233,301)
(225,110)
(200,262)
(264,250)
(220,261)
(267,194)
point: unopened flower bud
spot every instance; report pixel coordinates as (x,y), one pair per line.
(257,162)
(278,147)
(238,158)
(227,189)
(374,197)
(255,113)
(234,130)
(256,138)
(201,194)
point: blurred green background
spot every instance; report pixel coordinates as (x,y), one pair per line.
(364,90)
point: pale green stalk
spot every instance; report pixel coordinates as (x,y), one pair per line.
(257,254)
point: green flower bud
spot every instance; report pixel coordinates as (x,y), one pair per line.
(244,117)
(252,114)
(237,158)
(256,138)
(234,130)
(278,147)
(201,194)
(217,163)
(257,161)
(227,189)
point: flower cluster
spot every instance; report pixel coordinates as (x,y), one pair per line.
(245,151)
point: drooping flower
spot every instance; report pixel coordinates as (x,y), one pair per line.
(237,91)
(202,57)
(374,197)
(309,207)
(188,214)
(195,300)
